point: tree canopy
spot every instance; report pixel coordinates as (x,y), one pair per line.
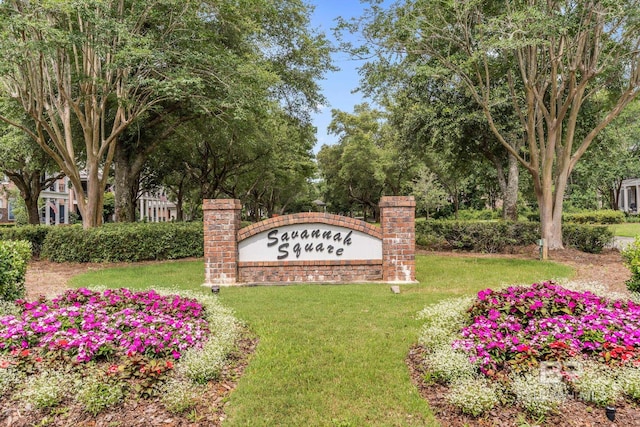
(85,72)
(544,59)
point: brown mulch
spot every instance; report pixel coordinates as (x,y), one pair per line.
(49,279)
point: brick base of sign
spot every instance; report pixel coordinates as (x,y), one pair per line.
(396,235)
(310,271)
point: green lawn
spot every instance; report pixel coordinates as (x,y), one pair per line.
(334,354)
(626,229)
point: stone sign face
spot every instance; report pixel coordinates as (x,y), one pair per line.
(309,242)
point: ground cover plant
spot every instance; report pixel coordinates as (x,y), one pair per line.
(110,346)
(534,346)
(334,354)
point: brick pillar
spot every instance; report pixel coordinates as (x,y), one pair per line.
(397,219)
(221,225)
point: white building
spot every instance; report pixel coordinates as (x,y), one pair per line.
(59,204)
(629,195)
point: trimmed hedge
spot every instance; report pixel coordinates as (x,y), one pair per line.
(125,242)
(595,217)
(586,238)
(14,256)
(476,236)
(35,234)
(492,237)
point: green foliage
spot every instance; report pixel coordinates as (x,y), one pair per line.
(124,242)
(14,256)
(473,396)
(491,237)
(488,237)
(631,257)
(47,389)
(586,238)
(536,396)
(96,394)
(595,217)
(598,384)
(179,396)
(35,234)
(478,215)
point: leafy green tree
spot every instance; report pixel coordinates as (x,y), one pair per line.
(263,52)
(360,171)
(26,165)
(614,157)
(553,56)
(430,195)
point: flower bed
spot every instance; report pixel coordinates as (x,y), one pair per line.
(538,346)
(87,325)
(520,326)
(111,345)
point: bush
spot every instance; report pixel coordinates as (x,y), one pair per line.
(605,216)
(36,234)
(631,257)
(497,236)
(124,242)
(14,256)
(587,238)
(478,236)
(478,215)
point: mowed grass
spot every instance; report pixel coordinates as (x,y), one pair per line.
(334,355)
(626,229)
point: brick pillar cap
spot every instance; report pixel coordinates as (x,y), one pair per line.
(397,202)
(221,204)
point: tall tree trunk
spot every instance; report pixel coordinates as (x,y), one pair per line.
(31,200)
(126,183)
(510,194)
(30,186)
(92,207)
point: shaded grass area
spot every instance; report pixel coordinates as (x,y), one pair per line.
(334,354)
(626,229)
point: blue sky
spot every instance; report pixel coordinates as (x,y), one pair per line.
(338,85)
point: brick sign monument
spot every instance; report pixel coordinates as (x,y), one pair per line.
(309,247)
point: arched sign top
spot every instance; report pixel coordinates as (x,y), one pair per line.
(310,217)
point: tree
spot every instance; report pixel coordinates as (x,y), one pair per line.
(436,117)
(98,66)
(360,167)
(26,165)
(263,52)
(429,193)
(614,157)
(553,55)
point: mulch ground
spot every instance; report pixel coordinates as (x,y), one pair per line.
(49,279)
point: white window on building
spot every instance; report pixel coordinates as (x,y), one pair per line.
(10,214)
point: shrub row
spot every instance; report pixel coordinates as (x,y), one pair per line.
(604,216)
(14,256)
(595,217)
(492,237)
(124,242)
(35,234)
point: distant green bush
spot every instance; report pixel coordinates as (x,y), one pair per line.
(477,236)
(605,216)
(478,215)
(35,234)
(124,242)
(586,238)
(14,256)
(492,237)
(631,257)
